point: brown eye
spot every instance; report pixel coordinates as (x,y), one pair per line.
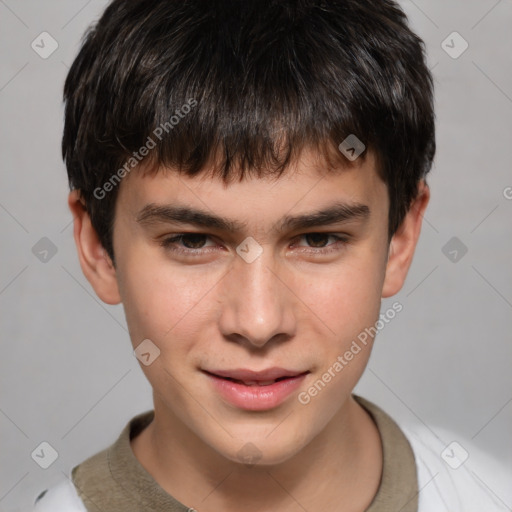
(192,244)
(318,243)
(318,240)
(193,240)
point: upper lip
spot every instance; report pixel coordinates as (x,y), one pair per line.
(256,376)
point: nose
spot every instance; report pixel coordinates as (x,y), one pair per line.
(258,306)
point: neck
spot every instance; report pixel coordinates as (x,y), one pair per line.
(343,464)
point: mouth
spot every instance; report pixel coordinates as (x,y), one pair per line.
(252,382)
(256,390)
(256,378)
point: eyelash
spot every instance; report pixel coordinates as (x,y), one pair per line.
(169,244)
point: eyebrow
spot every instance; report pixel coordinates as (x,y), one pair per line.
(333,214)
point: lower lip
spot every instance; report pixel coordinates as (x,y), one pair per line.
(256,398)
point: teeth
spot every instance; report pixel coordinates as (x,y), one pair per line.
(259,383)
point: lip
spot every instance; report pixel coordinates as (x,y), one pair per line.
(246,391)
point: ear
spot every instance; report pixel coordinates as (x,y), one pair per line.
(94,260)
(403,243)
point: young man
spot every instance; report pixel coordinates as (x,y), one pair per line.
(248,179)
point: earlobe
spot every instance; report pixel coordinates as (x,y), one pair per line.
(403,243)
(94,260)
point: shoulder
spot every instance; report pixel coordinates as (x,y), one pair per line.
(95,476)
(61,497)
(64,495)
(455,475)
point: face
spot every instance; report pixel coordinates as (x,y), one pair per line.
(252,296)
(269,297)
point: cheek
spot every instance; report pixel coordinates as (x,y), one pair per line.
(345,299)
(348,304)
(161,301)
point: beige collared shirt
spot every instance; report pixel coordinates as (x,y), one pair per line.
(114,479)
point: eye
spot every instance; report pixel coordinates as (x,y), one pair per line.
(193,244)
(319,242)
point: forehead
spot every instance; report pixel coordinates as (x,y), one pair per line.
(307,184)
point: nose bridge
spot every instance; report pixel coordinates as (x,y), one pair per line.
(257,305)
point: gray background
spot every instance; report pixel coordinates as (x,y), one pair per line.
(67,373)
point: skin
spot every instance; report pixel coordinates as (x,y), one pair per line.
(293,307)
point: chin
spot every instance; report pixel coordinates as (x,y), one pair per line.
(255,450)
